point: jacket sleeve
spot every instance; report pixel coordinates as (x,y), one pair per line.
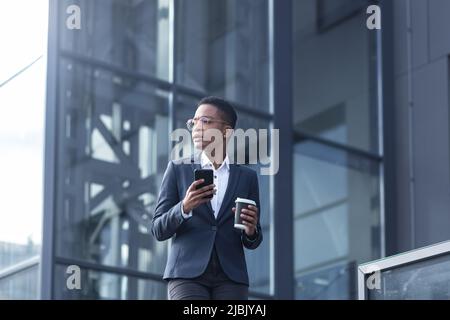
(254,195)
(168,214)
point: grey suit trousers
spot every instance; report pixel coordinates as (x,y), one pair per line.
(213,284)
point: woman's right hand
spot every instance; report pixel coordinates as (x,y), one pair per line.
(195,197)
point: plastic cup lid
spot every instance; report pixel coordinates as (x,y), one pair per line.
(243,200)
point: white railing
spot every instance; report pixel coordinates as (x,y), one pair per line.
(19,267)
(21,280)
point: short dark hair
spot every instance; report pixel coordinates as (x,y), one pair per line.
(224,106)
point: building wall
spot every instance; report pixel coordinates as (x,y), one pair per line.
(421,55)
(337,159)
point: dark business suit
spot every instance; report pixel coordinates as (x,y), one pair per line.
(203,244)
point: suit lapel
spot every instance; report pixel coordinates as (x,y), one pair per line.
(233,180)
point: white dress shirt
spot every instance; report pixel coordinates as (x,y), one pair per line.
(221,176)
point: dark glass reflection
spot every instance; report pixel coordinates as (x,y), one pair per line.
(99,285)
(335,77)
(336,282)
(336,209)
(223,49)
(133,35)
(114,145)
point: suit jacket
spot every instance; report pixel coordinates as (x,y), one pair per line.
(193,239)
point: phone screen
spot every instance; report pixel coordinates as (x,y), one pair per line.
(206,174)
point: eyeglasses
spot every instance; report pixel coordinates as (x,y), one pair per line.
(203,120)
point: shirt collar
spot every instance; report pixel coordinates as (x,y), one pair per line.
(205,162)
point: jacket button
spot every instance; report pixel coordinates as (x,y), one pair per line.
(214,228)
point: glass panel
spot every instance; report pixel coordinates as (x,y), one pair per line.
(99,285)
(113,153)
(129,34)
(21,286)
(223,49)
(336,207)
(330,12)
(336,282)
(423,280)
(258,261)
(335,87)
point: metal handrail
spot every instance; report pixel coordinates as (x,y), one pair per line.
(19,267)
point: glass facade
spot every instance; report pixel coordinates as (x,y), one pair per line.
(132,74)
(218,52)
(115,151)
(108,286)
(131,35)
(337,159)
(335,281)
(336,213)
(335,79)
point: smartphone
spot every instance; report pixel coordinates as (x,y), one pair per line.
(206,174)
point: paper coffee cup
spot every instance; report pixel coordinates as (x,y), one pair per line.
(241,203)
